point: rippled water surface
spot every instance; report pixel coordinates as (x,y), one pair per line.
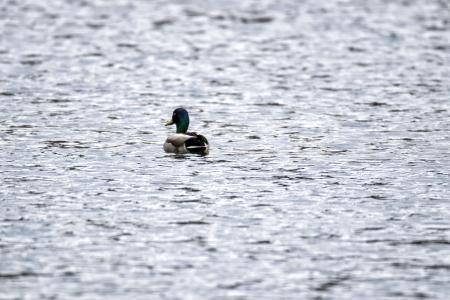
(328,176)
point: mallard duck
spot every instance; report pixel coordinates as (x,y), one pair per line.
(183,142)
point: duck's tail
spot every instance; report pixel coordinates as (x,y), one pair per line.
(198,149)
(198,145)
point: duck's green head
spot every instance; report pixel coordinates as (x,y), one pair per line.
(180,117)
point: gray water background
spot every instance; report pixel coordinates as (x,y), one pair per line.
(328,176)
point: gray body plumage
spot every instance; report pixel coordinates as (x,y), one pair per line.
(176,143)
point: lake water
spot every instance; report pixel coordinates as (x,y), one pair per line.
(329,170)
